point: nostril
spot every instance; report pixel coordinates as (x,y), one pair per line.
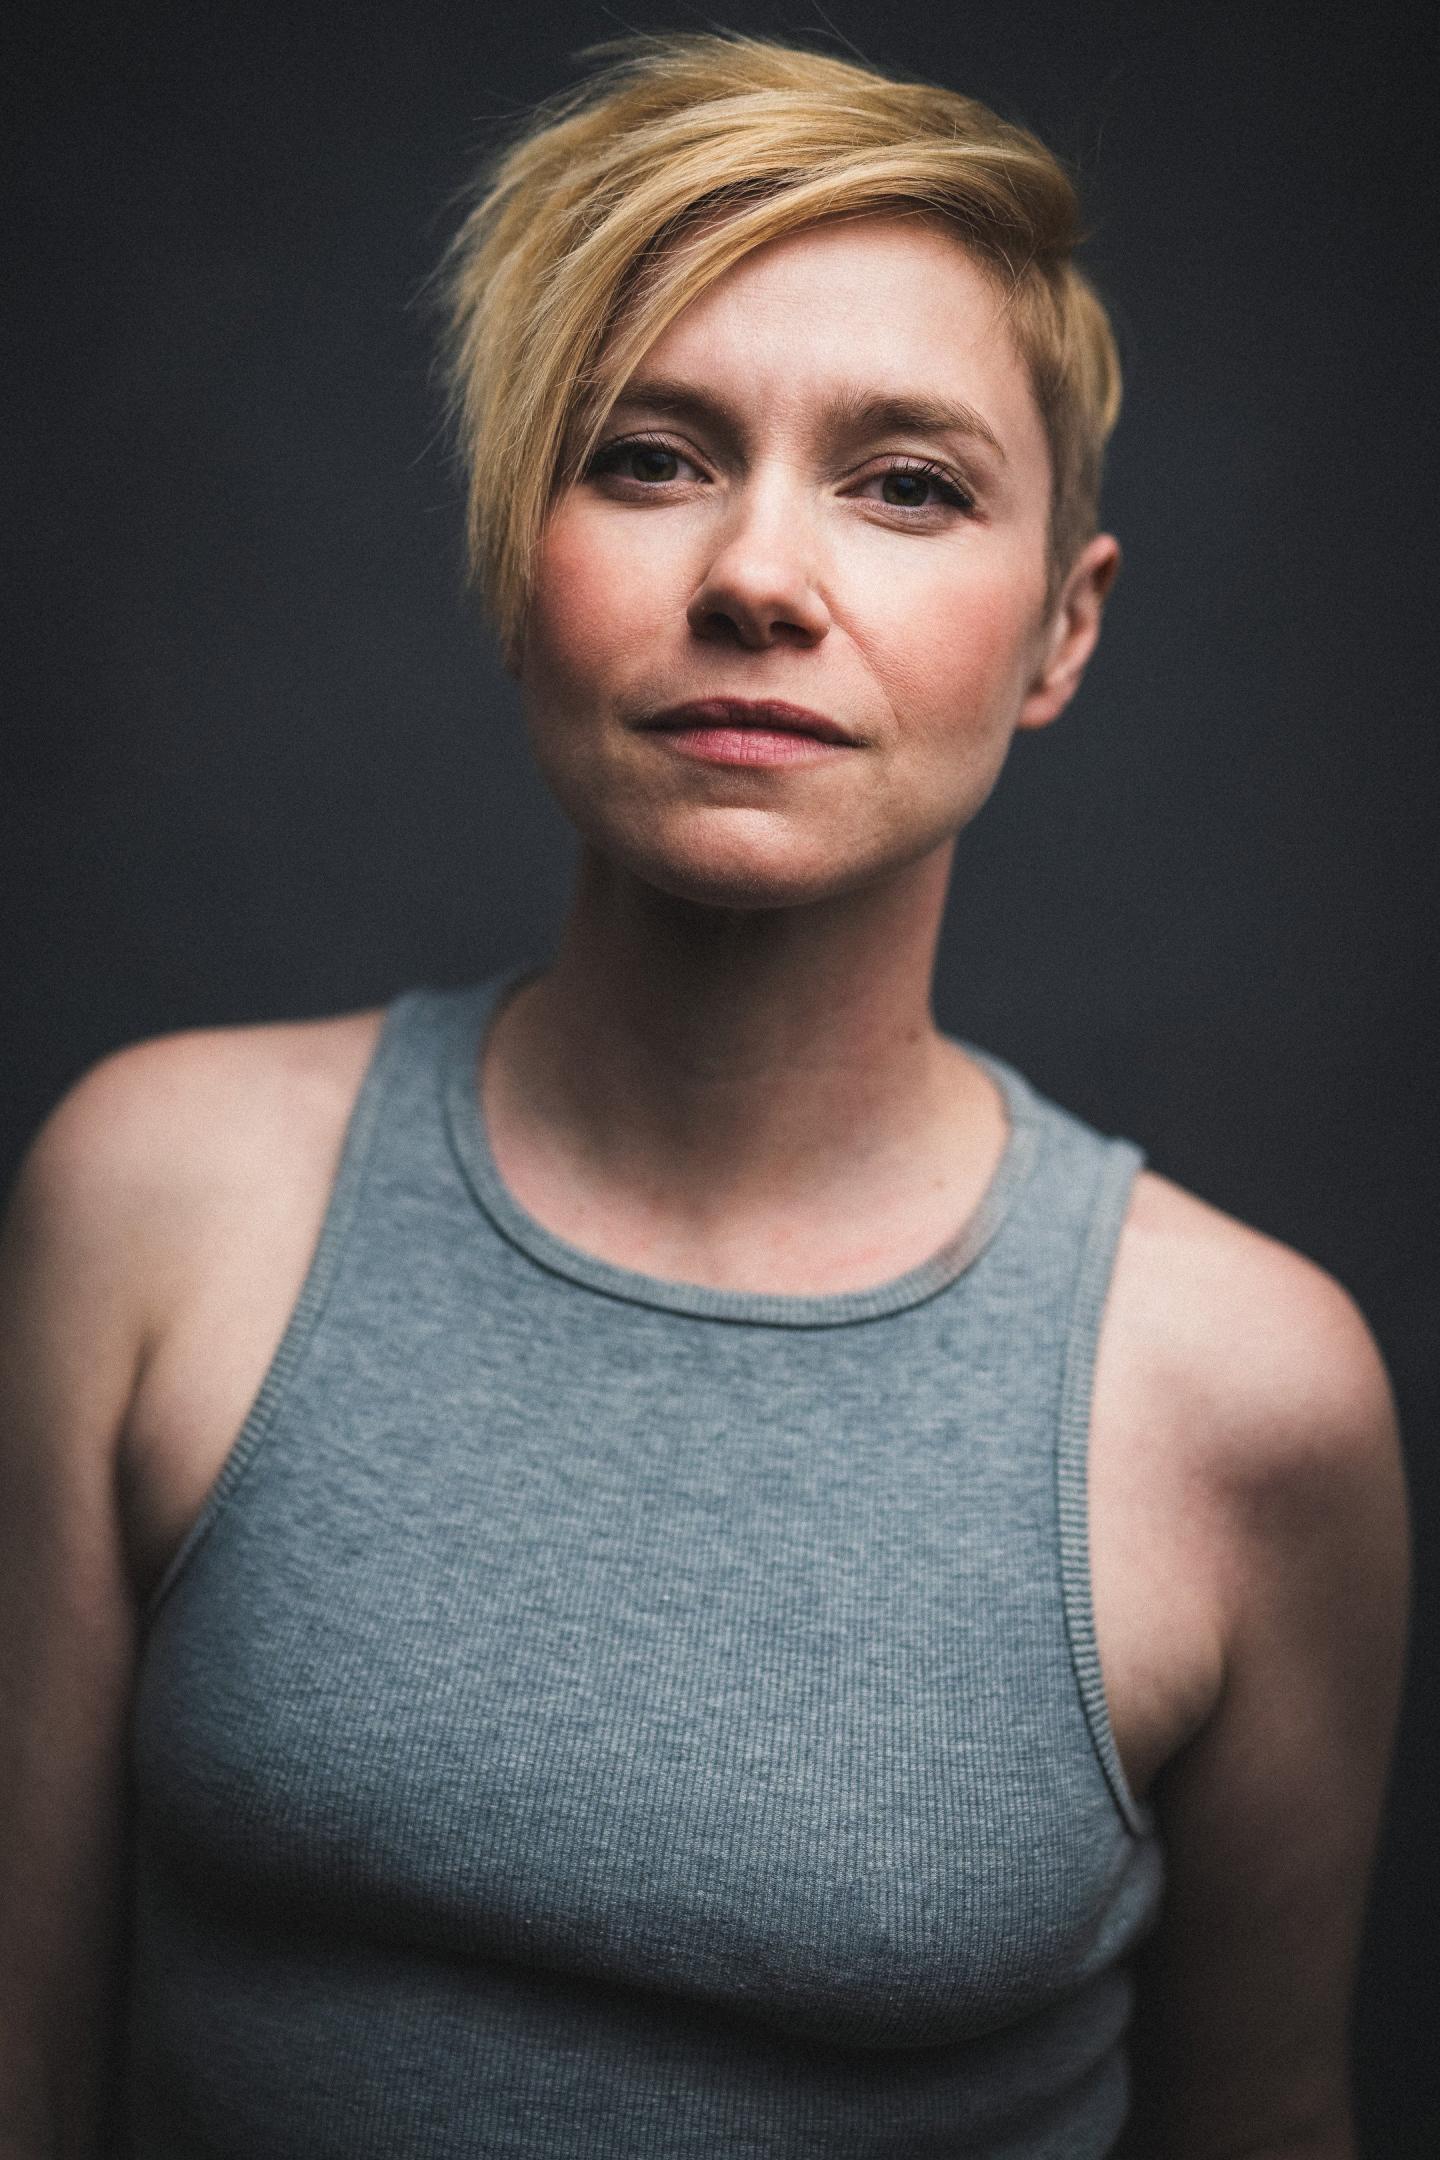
(760,612)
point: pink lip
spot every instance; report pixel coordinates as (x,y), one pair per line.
(751,747)
(770,716)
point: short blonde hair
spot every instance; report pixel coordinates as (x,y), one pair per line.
(596,225)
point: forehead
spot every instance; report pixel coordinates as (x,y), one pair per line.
(887,299)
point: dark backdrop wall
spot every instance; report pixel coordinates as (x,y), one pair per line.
(259,761)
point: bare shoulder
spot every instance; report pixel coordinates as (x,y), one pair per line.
(1244,1458)
(1271,1395)
(156,1148)
(183,1167)
(129,1166)
(166,1101)
(1270,1359)
(157,1239)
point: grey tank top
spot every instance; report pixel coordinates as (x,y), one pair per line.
(602,1718)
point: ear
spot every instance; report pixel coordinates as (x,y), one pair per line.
(1071,632)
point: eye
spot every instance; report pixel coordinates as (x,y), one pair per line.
(649,459)
(909,484)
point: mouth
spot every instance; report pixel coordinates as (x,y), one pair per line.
(767,715)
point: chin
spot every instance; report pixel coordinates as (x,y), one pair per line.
(740,863)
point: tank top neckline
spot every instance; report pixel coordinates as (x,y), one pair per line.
(470,1139)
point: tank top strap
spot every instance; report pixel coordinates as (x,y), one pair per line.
(1055,1266)
(393,1142)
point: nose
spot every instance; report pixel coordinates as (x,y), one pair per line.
(759,585)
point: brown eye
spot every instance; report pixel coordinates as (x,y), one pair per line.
(648,462)
(921,487)
(633,458)
(908,489)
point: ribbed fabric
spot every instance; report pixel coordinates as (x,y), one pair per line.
(596,1718)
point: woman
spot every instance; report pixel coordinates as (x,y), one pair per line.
(652,1556)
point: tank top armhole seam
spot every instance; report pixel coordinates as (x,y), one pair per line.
(1122,1161)
(320,1276)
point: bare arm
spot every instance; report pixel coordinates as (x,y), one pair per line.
(71,1339)
(1270,1814)
(166,1160)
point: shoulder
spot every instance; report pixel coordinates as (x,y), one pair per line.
(163,1109)
(1276,1402)
(120,1180)
(129,1188)
(1272,1398)
(1270,1356)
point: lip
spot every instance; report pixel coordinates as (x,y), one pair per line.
(770,714)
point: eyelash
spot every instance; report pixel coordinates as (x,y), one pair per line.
(610,454)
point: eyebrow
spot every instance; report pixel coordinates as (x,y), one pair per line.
(850,410)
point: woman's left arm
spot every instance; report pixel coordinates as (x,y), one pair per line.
(1240,2047)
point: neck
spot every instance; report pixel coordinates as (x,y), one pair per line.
(727,1060)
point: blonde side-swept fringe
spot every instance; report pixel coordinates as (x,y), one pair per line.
(625,196)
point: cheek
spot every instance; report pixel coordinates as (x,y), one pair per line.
(956,652)
(588,600)
(582,635)
(567,610)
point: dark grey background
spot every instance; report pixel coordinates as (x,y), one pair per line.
(260,761)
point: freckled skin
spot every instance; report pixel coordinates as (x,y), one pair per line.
(777,565)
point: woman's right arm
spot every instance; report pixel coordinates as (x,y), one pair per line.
(76,1300)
